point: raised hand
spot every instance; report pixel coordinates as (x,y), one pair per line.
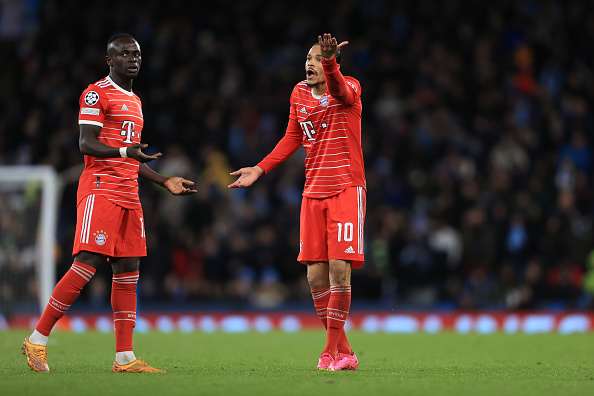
(247,176)
(135,151)
(175,185)
(329,46)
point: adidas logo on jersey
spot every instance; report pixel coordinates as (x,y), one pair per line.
(349,250)
(303,110)
(124,107)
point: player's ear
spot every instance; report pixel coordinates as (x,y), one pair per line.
(108,60)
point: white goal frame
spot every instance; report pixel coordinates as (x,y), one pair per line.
(48,221)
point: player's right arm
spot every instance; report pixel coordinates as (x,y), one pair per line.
(247,176)
(90,145)
(283,150)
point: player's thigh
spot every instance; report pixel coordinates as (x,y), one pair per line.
(97,224)
(312,231)
(131,236)
(346,219)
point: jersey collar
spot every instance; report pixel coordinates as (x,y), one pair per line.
(116,86)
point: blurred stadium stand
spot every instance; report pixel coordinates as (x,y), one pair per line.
(476,122)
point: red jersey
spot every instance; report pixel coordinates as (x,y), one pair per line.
(329,128)
(119,114)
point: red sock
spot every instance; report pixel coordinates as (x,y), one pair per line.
(338,311)
(123,302)
(64,294)
(321,298)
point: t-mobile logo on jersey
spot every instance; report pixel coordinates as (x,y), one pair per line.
(308,130)
(128,130)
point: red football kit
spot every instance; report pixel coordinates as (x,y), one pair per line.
(328,126)
(109,215)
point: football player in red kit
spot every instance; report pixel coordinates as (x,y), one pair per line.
(325,118)
(110,223)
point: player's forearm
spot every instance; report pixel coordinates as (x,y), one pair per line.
(147,173)
(336,82)
(95,148)
(283,150)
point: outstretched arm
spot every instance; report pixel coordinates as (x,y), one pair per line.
(247,176)
(329,46)
(283,150)
(335,81)
(174,184)
(90,145)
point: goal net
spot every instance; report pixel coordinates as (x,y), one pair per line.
(28,225)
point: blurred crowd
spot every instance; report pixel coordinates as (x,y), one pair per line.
(476,136)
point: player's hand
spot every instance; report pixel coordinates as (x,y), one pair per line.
(247,176)
(135,151)
(175,185)
(329,46)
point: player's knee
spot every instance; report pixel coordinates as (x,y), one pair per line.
(340,279)
(124,264)
(317,282)
(89,258)
(340,273)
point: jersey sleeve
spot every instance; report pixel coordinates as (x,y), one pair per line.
(287,145)
(92,106)
(344,89)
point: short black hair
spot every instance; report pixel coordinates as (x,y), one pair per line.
(119,36)
(338,55)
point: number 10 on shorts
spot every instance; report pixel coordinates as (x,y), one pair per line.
(348,232)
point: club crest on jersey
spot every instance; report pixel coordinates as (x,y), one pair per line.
(100,237)
(91,98)
(324,101)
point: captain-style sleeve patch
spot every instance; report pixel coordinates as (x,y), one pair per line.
(87,110)
(91,98)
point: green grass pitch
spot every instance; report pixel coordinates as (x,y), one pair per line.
(285,364)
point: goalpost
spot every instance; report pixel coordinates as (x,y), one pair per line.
(28,227)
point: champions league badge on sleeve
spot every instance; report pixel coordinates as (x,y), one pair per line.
(100,237)
(91,98)
(324,101)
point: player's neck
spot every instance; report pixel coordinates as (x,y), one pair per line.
(319,89)
(122,83)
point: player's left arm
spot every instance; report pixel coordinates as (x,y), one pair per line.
(347,92)
(174,184)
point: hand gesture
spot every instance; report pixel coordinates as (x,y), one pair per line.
(175,185)
(328,46)
(134,151)
(247,178)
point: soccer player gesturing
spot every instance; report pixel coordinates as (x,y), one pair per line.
(325,118)
(110,222)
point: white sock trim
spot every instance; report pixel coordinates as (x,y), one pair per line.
(37,338)
(125,357)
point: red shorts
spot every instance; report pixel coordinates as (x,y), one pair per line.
(108,229)
(332,228)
